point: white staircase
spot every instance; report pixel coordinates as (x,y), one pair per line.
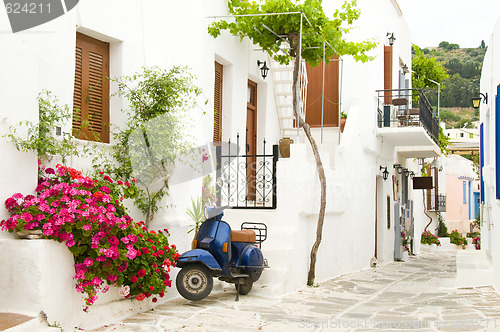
(283,93)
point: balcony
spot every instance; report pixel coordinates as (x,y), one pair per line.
(412,129)
(436,203)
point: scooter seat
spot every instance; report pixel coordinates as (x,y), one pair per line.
(245,235)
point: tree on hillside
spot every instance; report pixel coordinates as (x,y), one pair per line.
(283,44)
(448,46)
(426,70)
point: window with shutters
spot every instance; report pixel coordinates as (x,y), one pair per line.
(218,103)
(91,90)
(316,109)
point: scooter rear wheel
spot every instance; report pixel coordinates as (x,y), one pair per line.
(194,282)
(244,288)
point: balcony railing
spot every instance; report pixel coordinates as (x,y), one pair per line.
(436,203)
(406,108)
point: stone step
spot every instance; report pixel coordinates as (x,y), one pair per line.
(14,322)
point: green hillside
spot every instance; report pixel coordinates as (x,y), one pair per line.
(464,69)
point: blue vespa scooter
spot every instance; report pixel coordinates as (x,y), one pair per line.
(232,256)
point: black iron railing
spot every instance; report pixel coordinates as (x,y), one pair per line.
(246,181)
(407,108)
(436,203)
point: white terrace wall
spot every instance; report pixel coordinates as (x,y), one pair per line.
(490,210)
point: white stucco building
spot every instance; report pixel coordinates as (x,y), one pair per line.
(365,212)
(490,153)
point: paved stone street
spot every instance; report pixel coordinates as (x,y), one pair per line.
(420,295)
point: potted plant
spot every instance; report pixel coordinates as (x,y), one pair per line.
(343,119)
(457,239)
(195,212)
(428,238)
(109,248)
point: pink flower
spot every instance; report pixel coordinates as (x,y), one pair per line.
(70,243)
(140,297)
(105,189)
(133,279)
(97,281)
(27,216)
(125,240)
(131,253)
(88,261)
(87,227)
(141,273)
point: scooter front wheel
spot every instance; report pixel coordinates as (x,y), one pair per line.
(194,282)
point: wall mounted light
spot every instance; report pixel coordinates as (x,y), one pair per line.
(391,38)
(264,69)
(412,174)
(405,69)
(477,100)
(385,173)
(398,168)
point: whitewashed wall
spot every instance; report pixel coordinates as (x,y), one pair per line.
(490,79)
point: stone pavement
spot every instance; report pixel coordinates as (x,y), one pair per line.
(419,295)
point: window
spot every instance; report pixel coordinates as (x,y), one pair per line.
(91,89)
(464,184)
(461,134)
(471,135)
(388,206)
(218,103)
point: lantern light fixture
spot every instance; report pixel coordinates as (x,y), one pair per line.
(264,70)
(391,38)
(385,173)
(398,168)
(477,100)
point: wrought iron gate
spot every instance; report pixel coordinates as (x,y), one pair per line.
(246,181)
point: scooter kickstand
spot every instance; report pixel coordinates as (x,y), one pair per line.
(237,291)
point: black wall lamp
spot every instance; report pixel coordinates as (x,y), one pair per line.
(405,69)
(391,38)
(477,100)
(264,69)
(385,173)
(398,168)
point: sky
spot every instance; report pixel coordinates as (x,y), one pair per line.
(462,22)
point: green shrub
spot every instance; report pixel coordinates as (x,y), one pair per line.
(457,238)
(429,238)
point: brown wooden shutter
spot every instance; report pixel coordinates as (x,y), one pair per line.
(91,89)
(388,74)
(314,97)
(218,103)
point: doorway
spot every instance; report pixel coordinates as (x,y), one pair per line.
(251,139)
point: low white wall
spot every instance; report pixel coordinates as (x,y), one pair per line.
(37,275)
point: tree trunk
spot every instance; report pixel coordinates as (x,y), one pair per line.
(319,164)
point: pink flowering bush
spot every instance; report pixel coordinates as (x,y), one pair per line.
(477,242)
(429,238)
(108,246)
